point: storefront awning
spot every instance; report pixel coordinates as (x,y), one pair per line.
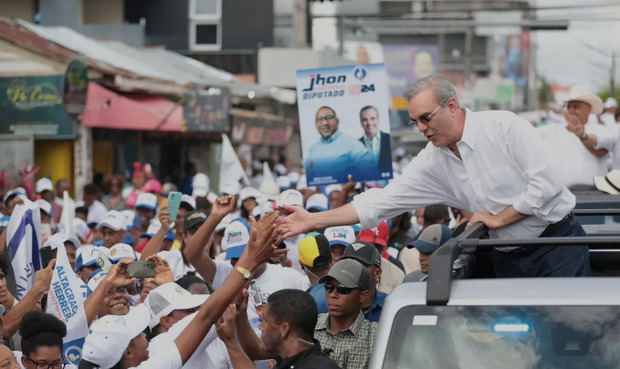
(107,109)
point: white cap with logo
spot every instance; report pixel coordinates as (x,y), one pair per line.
(110,336)
(341,235)
(147,200)
(113,220)
(44,184)
(169,297)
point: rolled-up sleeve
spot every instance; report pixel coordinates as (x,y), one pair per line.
(543,187)
(418,186)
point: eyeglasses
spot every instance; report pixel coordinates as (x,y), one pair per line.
(425,118)
(325,117)
(46,365)
(342,290)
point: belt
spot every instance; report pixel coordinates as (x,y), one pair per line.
(548,232)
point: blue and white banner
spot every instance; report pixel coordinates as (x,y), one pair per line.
(23,242)
(65,300)
(345,123)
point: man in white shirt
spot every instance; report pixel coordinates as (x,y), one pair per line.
(375,140)
(611,107)
(580,148)
(492,163)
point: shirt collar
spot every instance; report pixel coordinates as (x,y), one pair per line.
(289,361)
(469,131)
(378,301)
(377,138)
(332,137)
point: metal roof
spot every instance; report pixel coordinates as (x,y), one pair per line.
(153,63)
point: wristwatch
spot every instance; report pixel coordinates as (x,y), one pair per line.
(244,272)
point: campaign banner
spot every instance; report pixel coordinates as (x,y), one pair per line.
(344,123)
(65,300)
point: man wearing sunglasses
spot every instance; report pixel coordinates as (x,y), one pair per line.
(336,155)
(492,163)
(345,335)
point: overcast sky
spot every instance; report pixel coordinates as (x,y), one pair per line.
(562,56)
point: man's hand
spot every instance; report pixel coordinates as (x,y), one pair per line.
(490,221)
(343,197)
(263,233)
(225,325)
(43,277)
(163,273)
(573,124)
(297,221)
(222,206)
(164,218)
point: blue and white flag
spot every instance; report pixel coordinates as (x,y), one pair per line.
(23,243)
(65,300)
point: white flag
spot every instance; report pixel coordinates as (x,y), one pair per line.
(23,243)
(66,301)
(230,166)
(66,218)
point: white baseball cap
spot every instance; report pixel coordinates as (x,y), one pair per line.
(44,184)
(87,256)
(236,237)
(81,228)
(291,198)
(293,177)
(263,208)
(248,192)
(188,201)
(95,278)
(200,185)
(110,336)
(113,220)
(230,188)
(121,251)
(129,216)
(610,103)
(342,235)
(58,239)
(283,182)
(224,222)
(318,201)
(147,200)
(280,169)
(331,188)
(169,297)
(45,206)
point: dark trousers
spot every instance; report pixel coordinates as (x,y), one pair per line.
(547,261)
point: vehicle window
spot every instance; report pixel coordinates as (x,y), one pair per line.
(496,337)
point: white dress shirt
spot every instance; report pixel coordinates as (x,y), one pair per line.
(577,165)
(504,163)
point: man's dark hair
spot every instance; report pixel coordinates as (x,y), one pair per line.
(327,107)
(91,189)
(297,308)
(39,329)
(366,108)
(436,214)
(81,210)
(190,278)
(202,203)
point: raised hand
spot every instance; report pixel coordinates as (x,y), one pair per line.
(43,277)
(263,233)
(164,218)
(223,205)
(163,273)
(117,276)
(225,325)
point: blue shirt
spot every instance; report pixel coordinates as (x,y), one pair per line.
(317,291)
(331,160)
(373,313)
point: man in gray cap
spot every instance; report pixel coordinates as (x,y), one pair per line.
(345,335)
(427,243)
(367,254)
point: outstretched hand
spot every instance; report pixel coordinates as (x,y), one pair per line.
(297,221)
(263,233)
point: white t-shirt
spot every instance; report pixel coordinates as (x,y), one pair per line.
(175,260)
(274,278)
(170,358)
(163,342)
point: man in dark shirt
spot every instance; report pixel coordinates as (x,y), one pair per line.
(287,326)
